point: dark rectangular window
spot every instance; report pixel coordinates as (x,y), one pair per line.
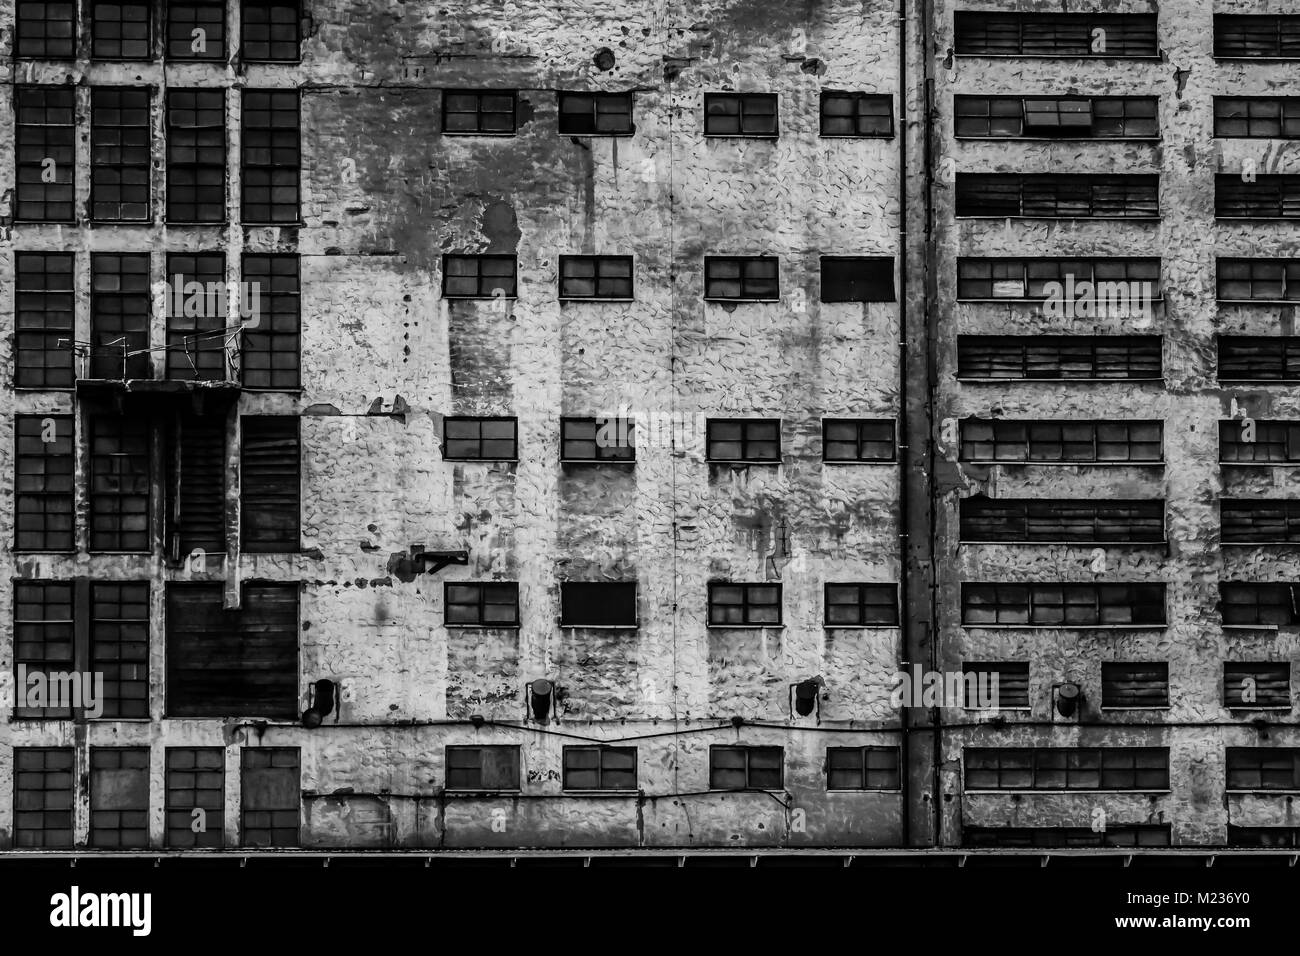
(856,114)
(861,605)
(1012,683)
(119,646)
(120,31)
(196,30)
(744,605)
(1259,358)
(857,279)
(597,439)
(120,133)
(269,157)
(1266,196)
(196,780)
(1258,441)
(269,31)
(478,112)
(196,156)
(227,663)
(196,505)
(196,333)
(1259,520)
(1258,280)
(478,277)
(598,604)
(270,796)
(1054,521)
(1058,196)
(480,439)
(119,483)
(493,767)
(45,141)
(1057,117)
(1091,35)
(595,277)
(1249,685)
(857,439)
(1067,768)
(746,768)
(1056,357)
(43,482)
(44,643)
(741,278)
(1115,834)
(120,306)
(270,340)
(1120,286)
(862,768)
(1134,684)
(1251,36)
(1256,604)
(1061,442)
(596,114)
(1263,768)
(744,439)
(119,797)
(1089,604)
(270,483)
(1257,117)
(46,29)
(599,768)
(43,320)
(43,797)
(740,114)
(481,604)
(1263,836)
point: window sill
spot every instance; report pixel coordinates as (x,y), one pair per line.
(739,301)
(1259,301)
(479,298)
(621,792)
(1256,218)
(214,223)
(595,298)
(1056,381)
(850,627)
(746,627)
(1022,300)
(1063,219)
(1148,57)
(494,135)
(621,134)
(600,627)
(859,461)
(744,462)
(880,136)
(1259,544)
(996,710)
(598,461)
(248,224)
(1063,139)
(1080,790)
(1148,709)
(1284,708)
(1069,627)
(1059,464)
(1279,792)
(864,790)
(1254,627)
(765,136)
(1019,543)
(1260,464)
(512,460)
(483,627)
(467,792)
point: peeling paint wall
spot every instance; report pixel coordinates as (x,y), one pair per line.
(1190,402)
(384,196)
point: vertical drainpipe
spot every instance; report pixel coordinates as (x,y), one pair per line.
(904,453)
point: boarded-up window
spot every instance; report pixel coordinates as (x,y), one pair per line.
(232,663)
(1121,834)
(1259,520)
(1090,604)
(483,768)
(119,484)
(269,484)
(598,604)
(857,279)
(43,466)
(270,796)
(1053,357)
(1259,604)
(1012,683)
(1135,684)
(1060,442)
(1259,358)
(1252,35)
(1005,520)
(119,797)
(196,780)
(1049,33)
(1264,196)
(198,506)
(1259,441)
(1253,685)
(42,797)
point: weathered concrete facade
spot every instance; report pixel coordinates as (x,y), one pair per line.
(385,357)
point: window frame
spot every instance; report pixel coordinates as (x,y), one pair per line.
(21,36)
(865,589)
(1000,351)
(1137,596)
(1001,667)
(872,292)
(601,751)
(1280,20)
(746,604)
(1269,197)
(1057,20)
(1259,755)
(44,137)
(1035,757)
(276,142)
(722,97)
(1022,510)
(206,156)
(601,454)
(1113,667)
(39,297)
(478,259)
(1094,197)
(996,108)
(479,420)
(860,440)
(744,440)
(865,752)
(65,472)
(459,749)
(478,112)
(1047,441)
(480,604)
(748,750)
(597,98)
(245,20)
(1285,348)
(194,9)
(1028,266)
(857,99)
(597,262)
(566,608)
(1258,668)
(91,22)
(743,279)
